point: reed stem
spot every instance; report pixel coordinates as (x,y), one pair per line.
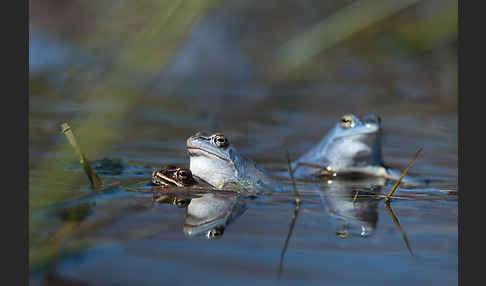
(395,186)
(92,176)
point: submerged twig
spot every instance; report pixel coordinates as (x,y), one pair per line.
(395,186)
(92,176)
(397,223)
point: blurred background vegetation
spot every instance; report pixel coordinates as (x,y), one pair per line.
(93,63)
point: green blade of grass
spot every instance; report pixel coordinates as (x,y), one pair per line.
(92,176)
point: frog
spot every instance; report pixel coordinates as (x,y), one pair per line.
(173,176)
(215,160)
(353,148)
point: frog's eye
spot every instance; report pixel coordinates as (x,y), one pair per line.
(220,141)
(183,174)
(347,121)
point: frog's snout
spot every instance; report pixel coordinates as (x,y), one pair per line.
(372,118)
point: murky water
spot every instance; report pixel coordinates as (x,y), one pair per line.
(121,237)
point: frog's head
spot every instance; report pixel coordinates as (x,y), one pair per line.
(352,142)
(212,158)
(172,176)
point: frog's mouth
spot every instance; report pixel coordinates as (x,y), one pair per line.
(196,151)
(363,133)
(357,136)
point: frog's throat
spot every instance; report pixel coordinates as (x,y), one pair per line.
(228,161)
(208,152)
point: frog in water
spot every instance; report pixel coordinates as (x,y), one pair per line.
(173,176)
(215,160)
(351,147)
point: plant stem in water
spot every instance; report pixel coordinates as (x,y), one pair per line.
(395,186)
(92,176)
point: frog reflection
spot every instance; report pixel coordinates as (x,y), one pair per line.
(206,213)
(212,213)
(353,204)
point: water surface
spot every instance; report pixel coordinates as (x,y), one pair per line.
(121,237)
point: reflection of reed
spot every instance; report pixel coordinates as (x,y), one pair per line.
(75,226)
(294,217)
(397,223)
(291,229)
